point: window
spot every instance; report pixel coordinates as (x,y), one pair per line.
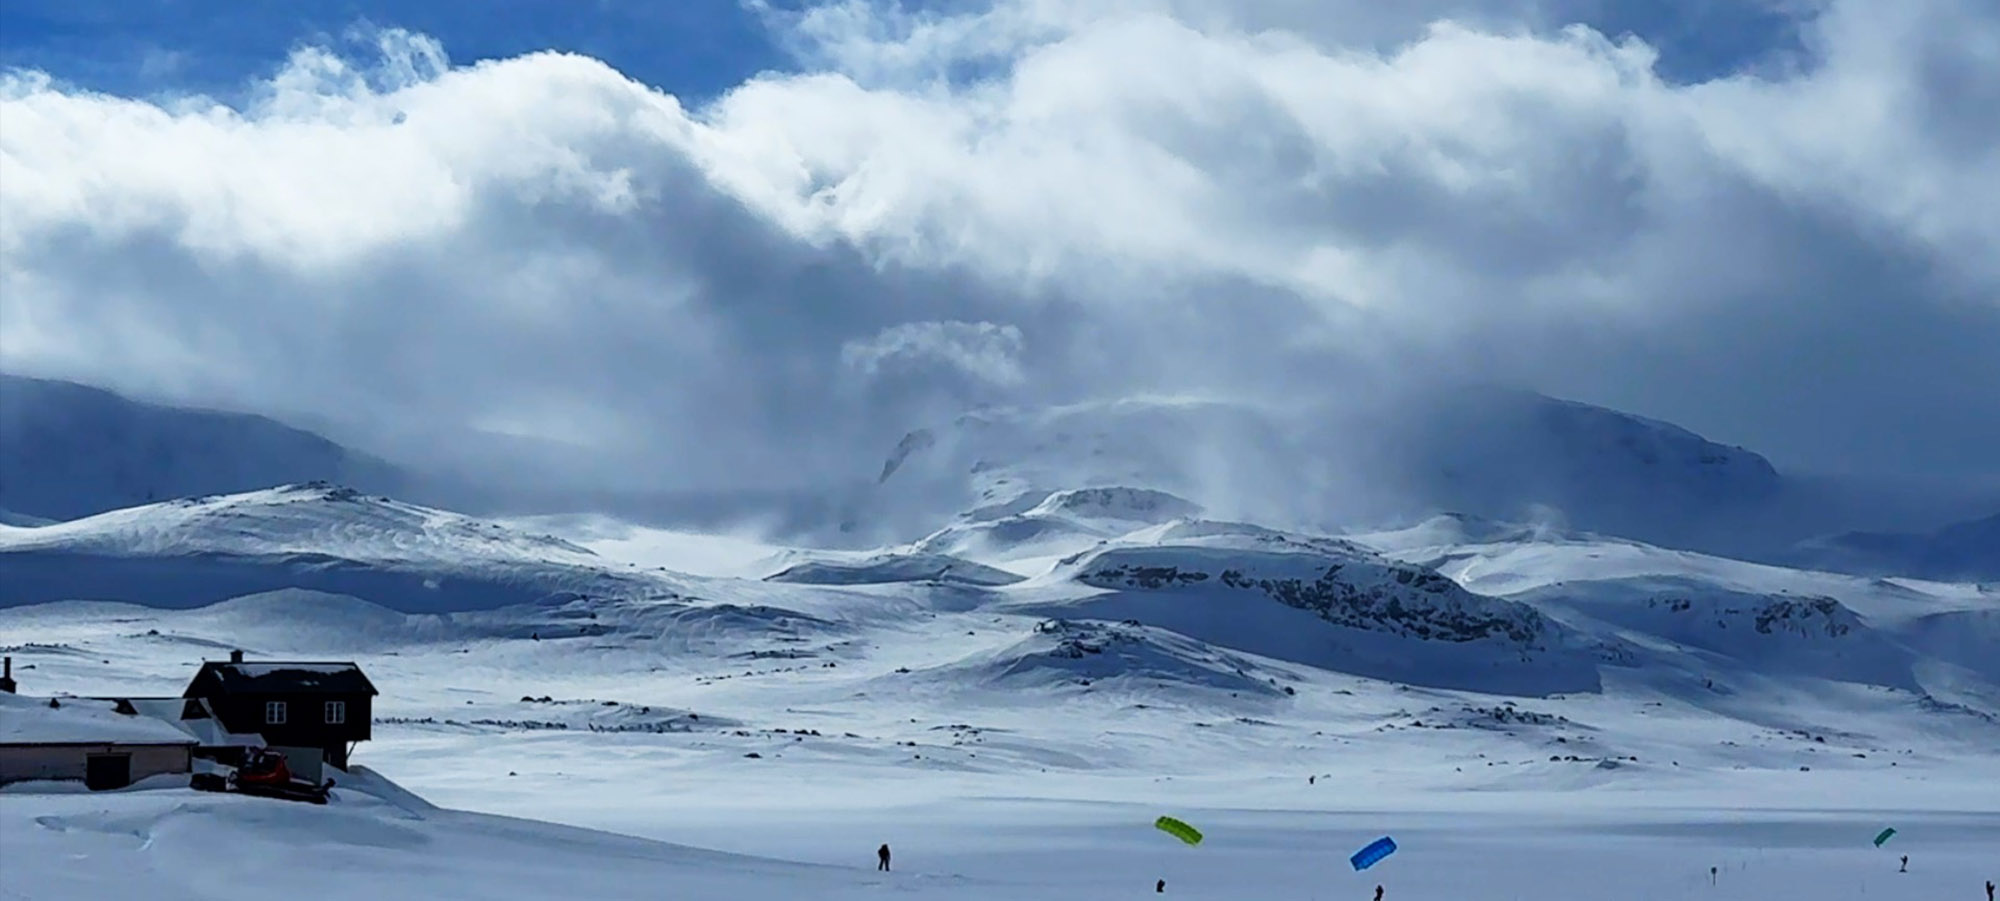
(336,711)
(274,713)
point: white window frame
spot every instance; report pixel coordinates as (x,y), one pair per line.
(336,713)
(274,713)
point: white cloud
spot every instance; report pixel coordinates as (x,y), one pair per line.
(1118,197)
(987,352)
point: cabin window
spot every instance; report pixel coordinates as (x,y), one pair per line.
(336,711)
(274,713)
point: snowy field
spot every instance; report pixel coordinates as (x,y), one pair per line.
(719,735)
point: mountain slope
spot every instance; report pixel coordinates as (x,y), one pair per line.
(1502,454)
(1719,622)
(1323,603)
(68,450)
(1961,551)
(314,536)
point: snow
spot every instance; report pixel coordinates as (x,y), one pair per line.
(893,567)
(256,670)
(1531,712)
(198,551)
(26,720)
(1964,550)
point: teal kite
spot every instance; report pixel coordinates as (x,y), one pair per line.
(1883,837)
(1178,830)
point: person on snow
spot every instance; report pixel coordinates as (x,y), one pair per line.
(1160,887)
(1989,890)
(1378,893)
(882,857)
(1906,864)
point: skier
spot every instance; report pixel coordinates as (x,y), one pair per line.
(882,857)
(1906,864)
(1989,890)
(1160,887)
(1378,893)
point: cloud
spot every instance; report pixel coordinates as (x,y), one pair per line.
(1037,202)
(983,351)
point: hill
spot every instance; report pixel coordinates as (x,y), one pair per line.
(68,450)
(1961,551)
(316,536)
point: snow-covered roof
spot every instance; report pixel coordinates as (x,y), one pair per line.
(282,677)
(31,721)
(194,717)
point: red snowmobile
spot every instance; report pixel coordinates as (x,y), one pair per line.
(265,773)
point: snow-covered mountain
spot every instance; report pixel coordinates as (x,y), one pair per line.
(1501,454)
(1726,622)
(1108,649)
(1323,603)
(1961,551)
(317,536)
(68,450)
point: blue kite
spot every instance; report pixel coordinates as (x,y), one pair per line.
(1373,854)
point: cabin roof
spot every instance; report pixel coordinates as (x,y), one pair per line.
(283,677)
(194,717)
(76,721)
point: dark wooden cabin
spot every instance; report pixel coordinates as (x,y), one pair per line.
(293,704)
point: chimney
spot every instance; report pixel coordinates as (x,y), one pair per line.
(236,656)
(7,675)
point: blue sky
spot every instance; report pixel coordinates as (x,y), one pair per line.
(694,48)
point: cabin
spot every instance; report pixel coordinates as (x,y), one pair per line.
(87,740)
(311,711)
(213,741)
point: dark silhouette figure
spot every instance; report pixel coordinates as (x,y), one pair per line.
(1989,890)
(1161,886)
(882,858)
(1311,779)
(1378,893)
(1711,875)
(1906,864)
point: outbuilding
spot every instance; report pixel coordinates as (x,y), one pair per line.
(87,740)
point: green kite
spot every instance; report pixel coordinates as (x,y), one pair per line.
(1178,829)
(1883,837)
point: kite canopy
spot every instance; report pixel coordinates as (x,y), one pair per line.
(1373,854)
(1883,837)
(1178,829)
